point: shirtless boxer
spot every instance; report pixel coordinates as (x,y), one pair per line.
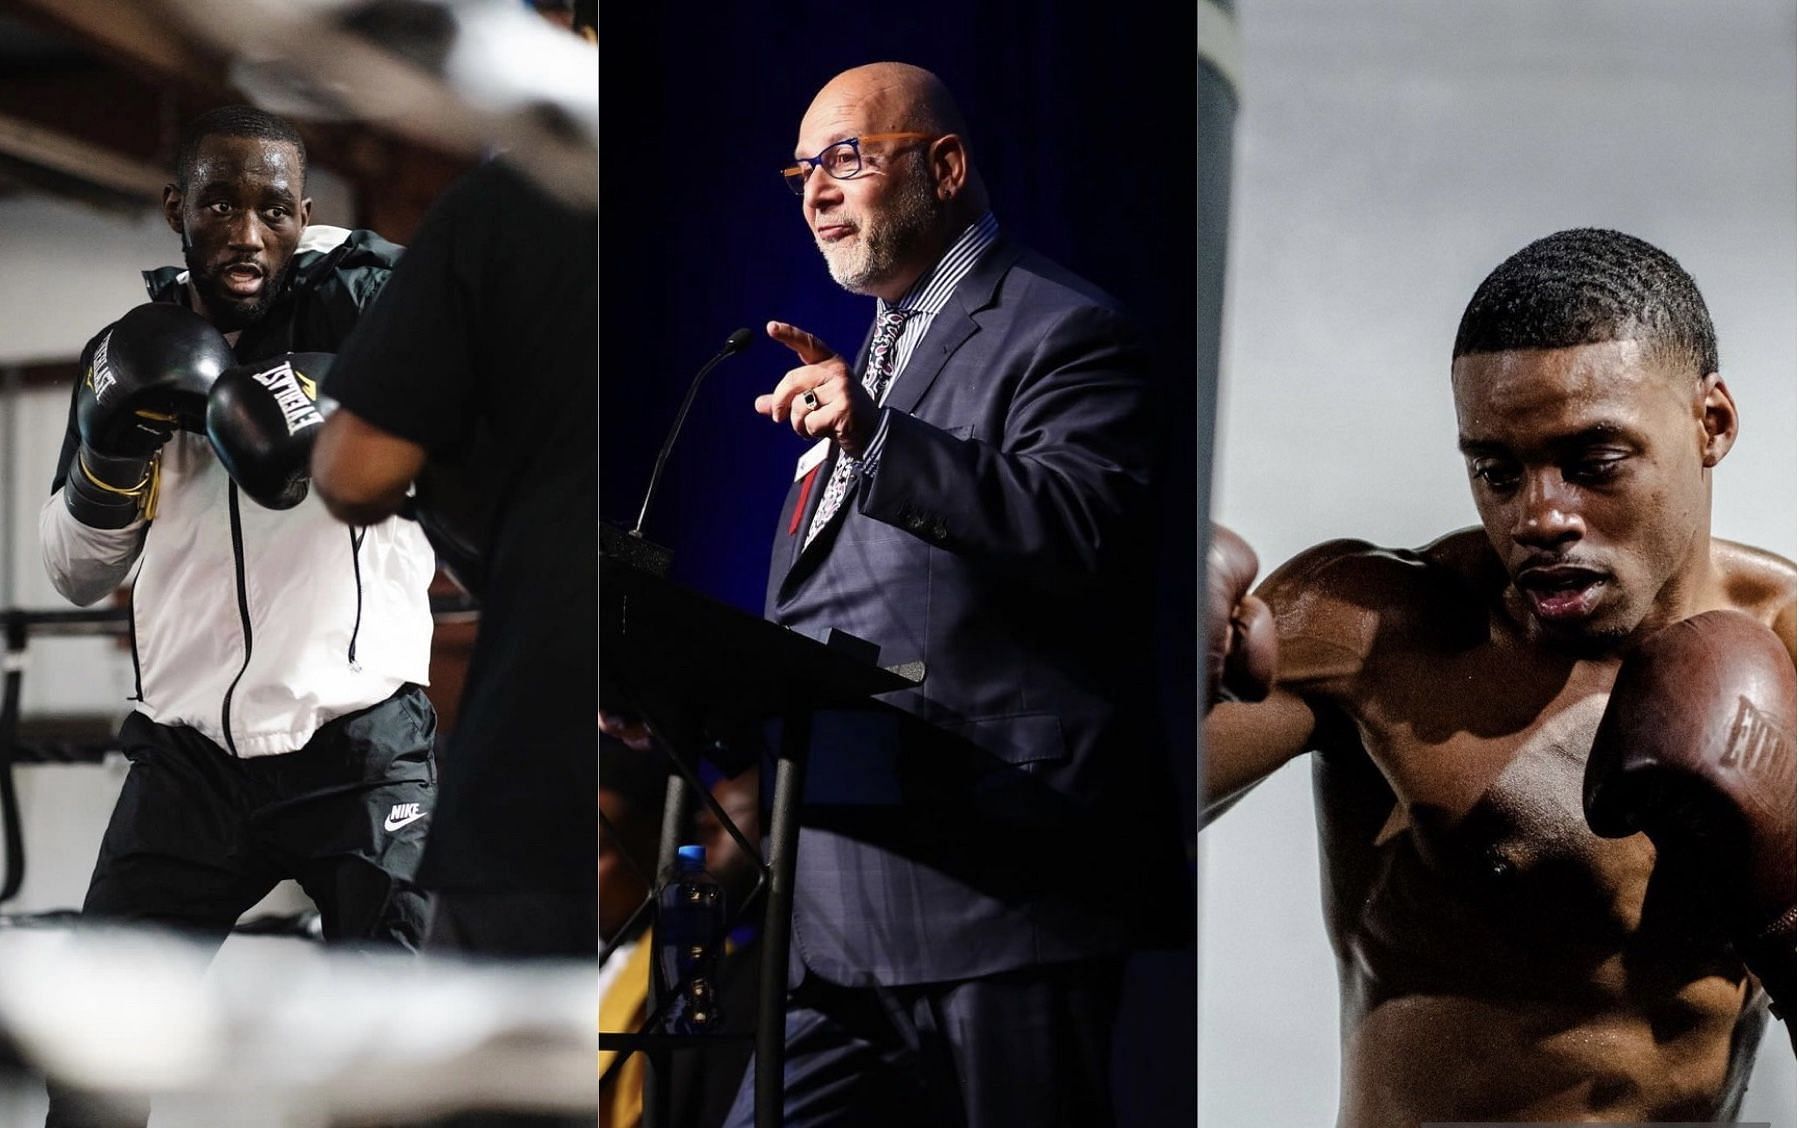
(1498,960)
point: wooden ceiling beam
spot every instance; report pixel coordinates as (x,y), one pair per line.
(143,34)
(71,156)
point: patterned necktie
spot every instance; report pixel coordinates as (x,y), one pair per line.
(881,355)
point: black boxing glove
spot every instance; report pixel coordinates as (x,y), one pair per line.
(147,377)
(1241,651)
(262,419)
(1696,750)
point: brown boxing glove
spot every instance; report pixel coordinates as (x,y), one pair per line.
(1696,750)
(1241,649)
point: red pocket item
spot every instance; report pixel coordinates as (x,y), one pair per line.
(799,504)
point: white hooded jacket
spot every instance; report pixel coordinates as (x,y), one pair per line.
(253,626)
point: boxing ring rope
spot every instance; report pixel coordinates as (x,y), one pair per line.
(300,1035)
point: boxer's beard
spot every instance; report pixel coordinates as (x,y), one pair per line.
(227,311)
(883,239)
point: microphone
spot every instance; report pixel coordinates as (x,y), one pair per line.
(734,344)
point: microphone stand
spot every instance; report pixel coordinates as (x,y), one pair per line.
(734,344)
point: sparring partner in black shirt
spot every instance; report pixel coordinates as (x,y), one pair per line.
(479,364)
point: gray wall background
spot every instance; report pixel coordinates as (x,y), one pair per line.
(1389,154)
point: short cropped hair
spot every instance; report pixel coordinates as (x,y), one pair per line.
(233,121)
(1588,286)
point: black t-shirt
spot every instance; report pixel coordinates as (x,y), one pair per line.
(484,349)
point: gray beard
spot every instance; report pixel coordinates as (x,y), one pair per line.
(882,244)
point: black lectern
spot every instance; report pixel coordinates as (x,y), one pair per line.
(696,668)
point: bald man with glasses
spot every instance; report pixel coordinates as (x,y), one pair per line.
(976,498)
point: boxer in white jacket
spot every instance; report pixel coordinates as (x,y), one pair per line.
(279,728)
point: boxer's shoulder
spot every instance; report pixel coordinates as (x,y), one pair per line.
(1360,580)
(1340,602)
(1759,583)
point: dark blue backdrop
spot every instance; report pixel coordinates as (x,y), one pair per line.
(1083,124)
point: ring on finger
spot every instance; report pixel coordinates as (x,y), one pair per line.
(810,399)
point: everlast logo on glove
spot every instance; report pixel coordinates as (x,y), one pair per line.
(294,393)
(99,375)
(1757,742)
(262,419)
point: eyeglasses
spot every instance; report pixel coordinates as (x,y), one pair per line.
(841,161)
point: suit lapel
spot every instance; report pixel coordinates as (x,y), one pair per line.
(950,329)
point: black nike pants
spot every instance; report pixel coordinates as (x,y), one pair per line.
(199,836)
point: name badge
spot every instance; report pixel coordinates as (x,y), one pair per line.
(810,460)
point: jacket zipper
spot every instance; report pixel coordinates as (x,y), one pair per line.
(356,536)
(243,610)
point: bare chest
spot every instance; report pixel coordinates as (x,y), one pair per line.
(1485,760)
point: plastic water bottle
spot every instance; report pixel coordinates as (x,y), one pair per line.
(690,931)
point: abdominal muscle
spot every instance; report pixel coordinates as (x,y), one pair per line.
(1413,1059)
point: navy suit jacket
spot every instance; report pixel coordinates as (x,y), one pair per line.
(1016,809)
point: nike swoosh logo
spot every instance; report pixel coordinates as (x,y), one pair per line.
(395,824)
